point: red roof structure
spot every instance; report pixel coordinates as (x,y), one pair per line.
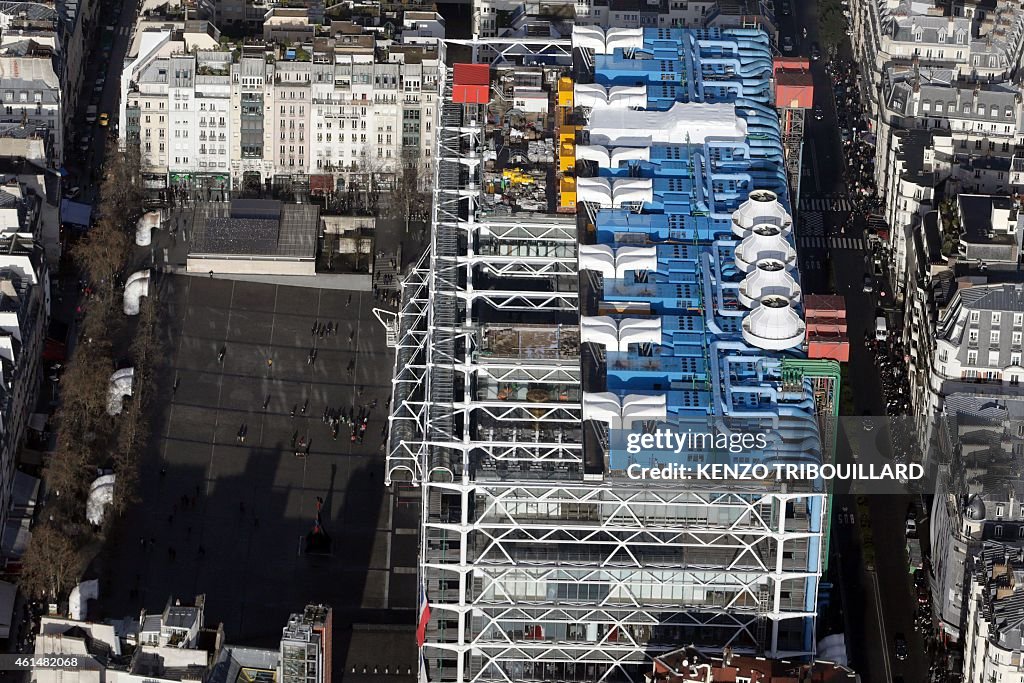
(827,335)
(794,87)
(471,84)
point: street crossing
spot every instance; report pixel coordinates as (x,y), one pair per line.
(852,243)
(826,204)
(811,224)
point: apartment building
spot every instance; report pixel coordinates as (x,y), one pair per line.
(24,315)
(979,342)
(995,615)
(978,497)
(493,18)
(919,162)
(345,109)
(247,17)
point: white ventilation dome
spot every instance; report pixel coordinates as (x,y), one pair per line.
(761,245)
(635,259)
(600,329)
(762,206)
(643,408)
(768,278)
(603,406)
(773,325)
(623,38)
(597,257)
(639,331)
(589,38)
(594,190)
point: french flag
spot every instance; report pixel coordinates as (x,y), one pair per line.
(424,612)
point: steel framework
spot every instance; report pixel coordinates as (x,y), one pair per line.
(535,567)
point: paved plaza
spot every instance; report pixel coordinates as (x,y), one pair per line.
(227,518)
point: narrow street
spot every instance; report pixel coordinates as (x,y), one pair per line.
(879,603)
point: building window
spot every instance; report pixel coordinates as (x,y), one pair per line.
(993,338)
(999,531)
(972,357)
(975,316)
(1016,338)
(972,336)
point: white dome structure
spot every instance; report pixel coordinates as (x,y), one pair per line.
(769,278)
(762,206)
(773,325)
(761,245)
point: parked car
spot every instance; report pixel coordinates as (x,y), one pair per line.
(900,648)
(869,284)
(815,51)
(911,529)
(819,113)
(787,44)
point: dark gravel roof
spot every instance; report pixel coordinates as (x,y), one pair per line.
(256,228)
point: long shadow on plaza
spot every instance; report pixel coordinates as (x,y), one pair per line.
(228,518)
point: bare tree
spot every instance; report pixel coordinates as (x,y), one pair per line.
(121,188)
(410,197)
(52,564)
(103,253)
(134,428)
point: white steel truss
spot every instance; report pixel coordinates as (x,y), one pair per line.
(535,567)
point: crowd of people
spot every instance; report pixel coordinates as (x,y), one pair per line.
(858,151)
(890,359)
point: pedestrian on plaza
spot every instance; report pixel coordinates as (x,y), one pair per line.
(266,402)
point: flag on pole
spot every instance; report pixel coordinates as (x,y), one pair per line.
(424,616)
(424,676)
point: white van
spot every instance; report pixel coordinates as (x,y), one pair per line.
(881,329)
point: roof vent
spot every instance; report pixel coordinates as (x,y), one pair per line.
(769,278)
(773,325)
(760,245)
